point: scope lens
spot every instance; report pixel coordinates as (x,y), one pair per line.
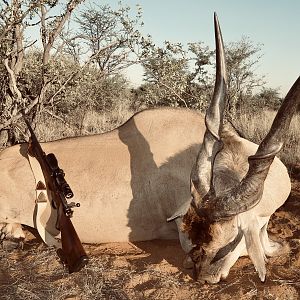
(67,192)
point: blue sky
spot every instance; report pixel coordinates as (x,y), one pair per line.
(273,23)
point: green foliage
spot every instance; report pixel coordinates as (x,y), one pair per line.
(78,72)
(110,35)
(242,58)
(175,76)
(267,98)
(73,87)
(184,76)
(48,80)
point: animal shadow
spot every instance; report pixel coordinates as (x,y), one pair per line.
(153,188)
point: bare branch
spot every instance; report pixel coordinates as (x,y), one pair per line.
(72,76)
(13,82)
(174,92)
(19,20)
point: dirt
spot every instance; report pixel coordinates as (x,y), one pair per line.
(152,270)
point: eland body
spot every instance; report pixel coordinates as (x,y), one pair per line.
(128,181)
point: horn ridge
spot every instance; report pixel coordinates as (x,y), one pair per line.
(214,114)
(248,193)
(282,120)
(201,175)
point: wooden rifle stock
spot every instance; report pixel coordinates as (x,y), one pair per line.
(72,252)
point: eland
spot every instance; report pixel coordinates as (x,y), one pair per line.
(133,179)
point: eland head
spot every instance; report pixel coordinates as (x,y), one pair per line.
(230,205)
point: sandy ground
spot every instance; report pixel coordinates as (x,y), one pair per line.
(151,270)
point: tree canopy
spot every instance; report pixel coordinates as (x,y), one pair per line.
(74,62)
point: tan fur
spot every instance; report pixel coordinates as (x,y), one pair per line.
(128,181)
(231,163)
(208,237)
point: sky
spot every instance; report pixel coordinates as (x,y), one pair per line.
(273,23)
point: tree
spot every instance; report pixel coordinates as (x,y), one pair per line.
(110,36)
(167,68)
(267,98)
(178,77)
(16,17)
(174,76)
(242,58)
(66,72)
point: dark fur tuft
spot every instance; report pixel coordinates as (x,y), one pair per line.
(197,227)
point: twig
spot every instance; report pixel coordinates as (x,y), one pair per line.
(57,117)
(172,90)
(228,285)
(86,64)
(285,282)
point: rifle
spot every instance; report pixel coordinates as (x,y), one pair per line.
(72,252)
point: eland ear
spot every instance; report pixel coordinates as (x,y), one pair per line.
(180,212)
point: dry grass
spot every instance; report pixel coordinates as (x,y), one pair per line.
(119,272)
(122,271)
(255,126)
(94,122)
(90,122)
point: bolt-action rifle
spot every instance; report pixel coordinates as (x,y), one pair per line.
(72,252)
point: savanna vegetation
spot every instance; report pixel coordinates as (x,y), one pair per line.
(63,63)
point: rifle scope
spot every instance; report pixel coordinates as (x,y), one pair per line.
(59,176)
